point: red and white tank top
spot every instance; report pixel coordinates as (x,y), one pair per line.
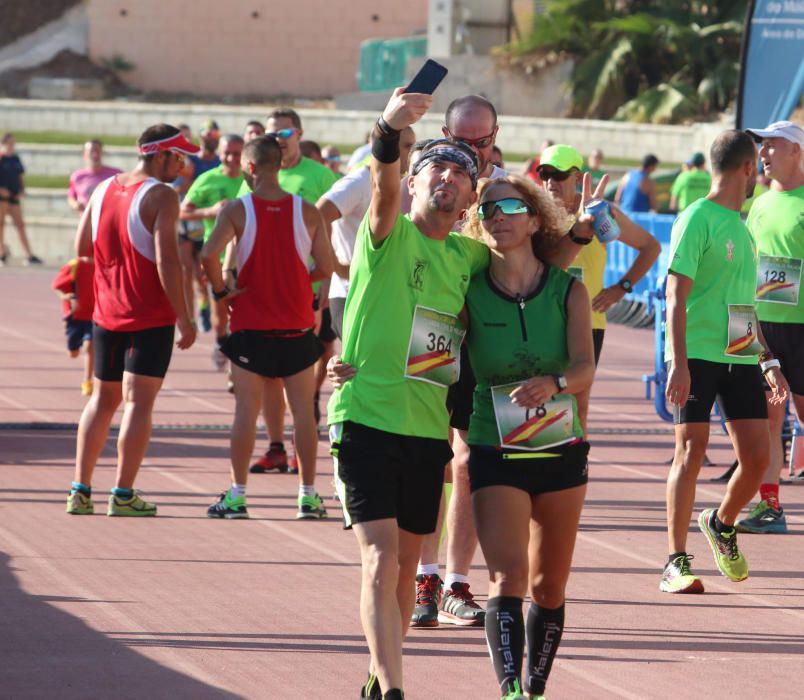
(128,293)
(272,256)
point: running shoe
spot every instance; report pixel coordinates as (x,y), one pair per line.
(763,519)
(311,508)
(458,607)
(429,588)
(79,504)
(275,460)
(206,319)
(86,388)
(728,558)
(293,465)
(218,359)
(3,259)
(130,507)
(33,260)
(372,688)
(678,578)
(228,507)
(513,691)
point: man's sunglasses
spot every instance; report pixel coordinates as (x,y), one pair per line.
(507,206)
(482,142)
(282,133)
(546,174)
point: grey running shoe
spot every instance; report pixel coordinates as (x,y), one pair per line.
(458,607)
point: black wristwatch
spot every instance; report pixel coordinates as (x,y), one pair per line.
(625,285)
(578,239)
(217,296)
(561,382)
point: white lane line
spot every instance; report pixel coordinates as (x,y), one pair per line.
(34,340)
(116,618)
(34,412)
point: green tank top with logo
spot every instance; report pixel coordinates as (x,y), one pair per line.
(511,340)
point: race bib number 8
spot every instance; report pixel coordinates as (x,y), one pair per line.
(743,333)
(778,279)
(434,351)
(532,428)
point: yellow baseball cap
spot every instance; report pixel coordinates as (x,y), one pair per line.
(561,157)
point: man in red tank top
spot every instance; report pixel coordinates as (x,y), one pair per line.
(129,228)
(272,319)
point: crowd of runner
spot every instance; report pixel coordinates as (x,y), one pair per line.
(470,305)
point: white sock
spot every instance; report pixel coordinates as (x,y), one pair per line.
(454,578)
(427,570)
(237,490)
(306,490)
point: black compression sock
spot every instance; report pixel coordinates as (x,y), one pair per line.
(505,633)
(545,627)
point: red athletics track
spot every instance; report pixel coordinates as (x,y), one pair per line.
(185,607)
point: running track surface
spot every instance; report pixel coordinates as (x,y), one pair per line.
(181,606)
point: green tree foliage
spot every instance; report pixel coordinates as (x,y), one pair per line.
(641,60)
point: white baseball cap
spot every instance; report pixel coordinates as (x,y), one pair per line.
(780,130)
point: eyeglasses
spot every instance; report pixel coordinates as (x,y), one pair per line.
(333,159)
(282,133)
(546,174)
(482,142)
(507,206)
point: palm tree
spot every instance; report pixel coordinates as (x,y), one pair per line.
(642,60)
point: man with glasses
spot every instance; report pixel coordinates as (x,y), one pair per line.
(129,228)
(560,172)
(471,120)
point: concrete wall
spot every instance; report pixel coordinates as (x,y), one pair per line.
(208,47)
(517,134)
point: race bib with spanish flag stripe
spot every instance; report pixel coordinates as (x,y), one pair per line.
(778,279)
(743,334)
(434,350)
(532,428)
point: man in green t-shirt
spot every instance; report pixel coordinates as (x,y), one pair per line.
(208,194)
(691,185)
(310,180)
(776,221)
(401,350)
(713,340)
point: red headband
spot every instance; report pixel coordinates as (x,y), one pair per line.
(176,143)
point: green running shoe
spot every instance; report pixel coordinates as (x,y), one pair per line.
(79,504)
(677,577)
(763,520)
(728,558)
(514,691)
(372,688)
(311,508)
(130,507)
(231,508)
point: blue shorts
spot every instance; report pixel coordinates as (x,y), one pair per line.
(77,332)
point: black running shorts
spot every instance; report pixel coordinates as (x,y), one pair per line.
(597,342)
(326,334)
(460,395)
(271,354)
(738,389)
(492,466)
(77,332)
(387,475)
(146,352)
(786,342)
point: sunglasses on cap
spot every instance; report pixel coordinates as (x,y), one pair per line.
(482,142)
(282,133)
(507,206)
(547,173)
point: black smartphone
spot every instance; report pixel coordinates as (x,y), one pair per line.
(428,78)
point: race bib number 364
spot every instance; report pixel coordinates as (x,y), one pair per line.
(743,334)
(778,279)
(434,351)
(532,428)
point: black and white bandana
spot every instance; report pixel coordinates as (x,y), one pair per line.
(452,152)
